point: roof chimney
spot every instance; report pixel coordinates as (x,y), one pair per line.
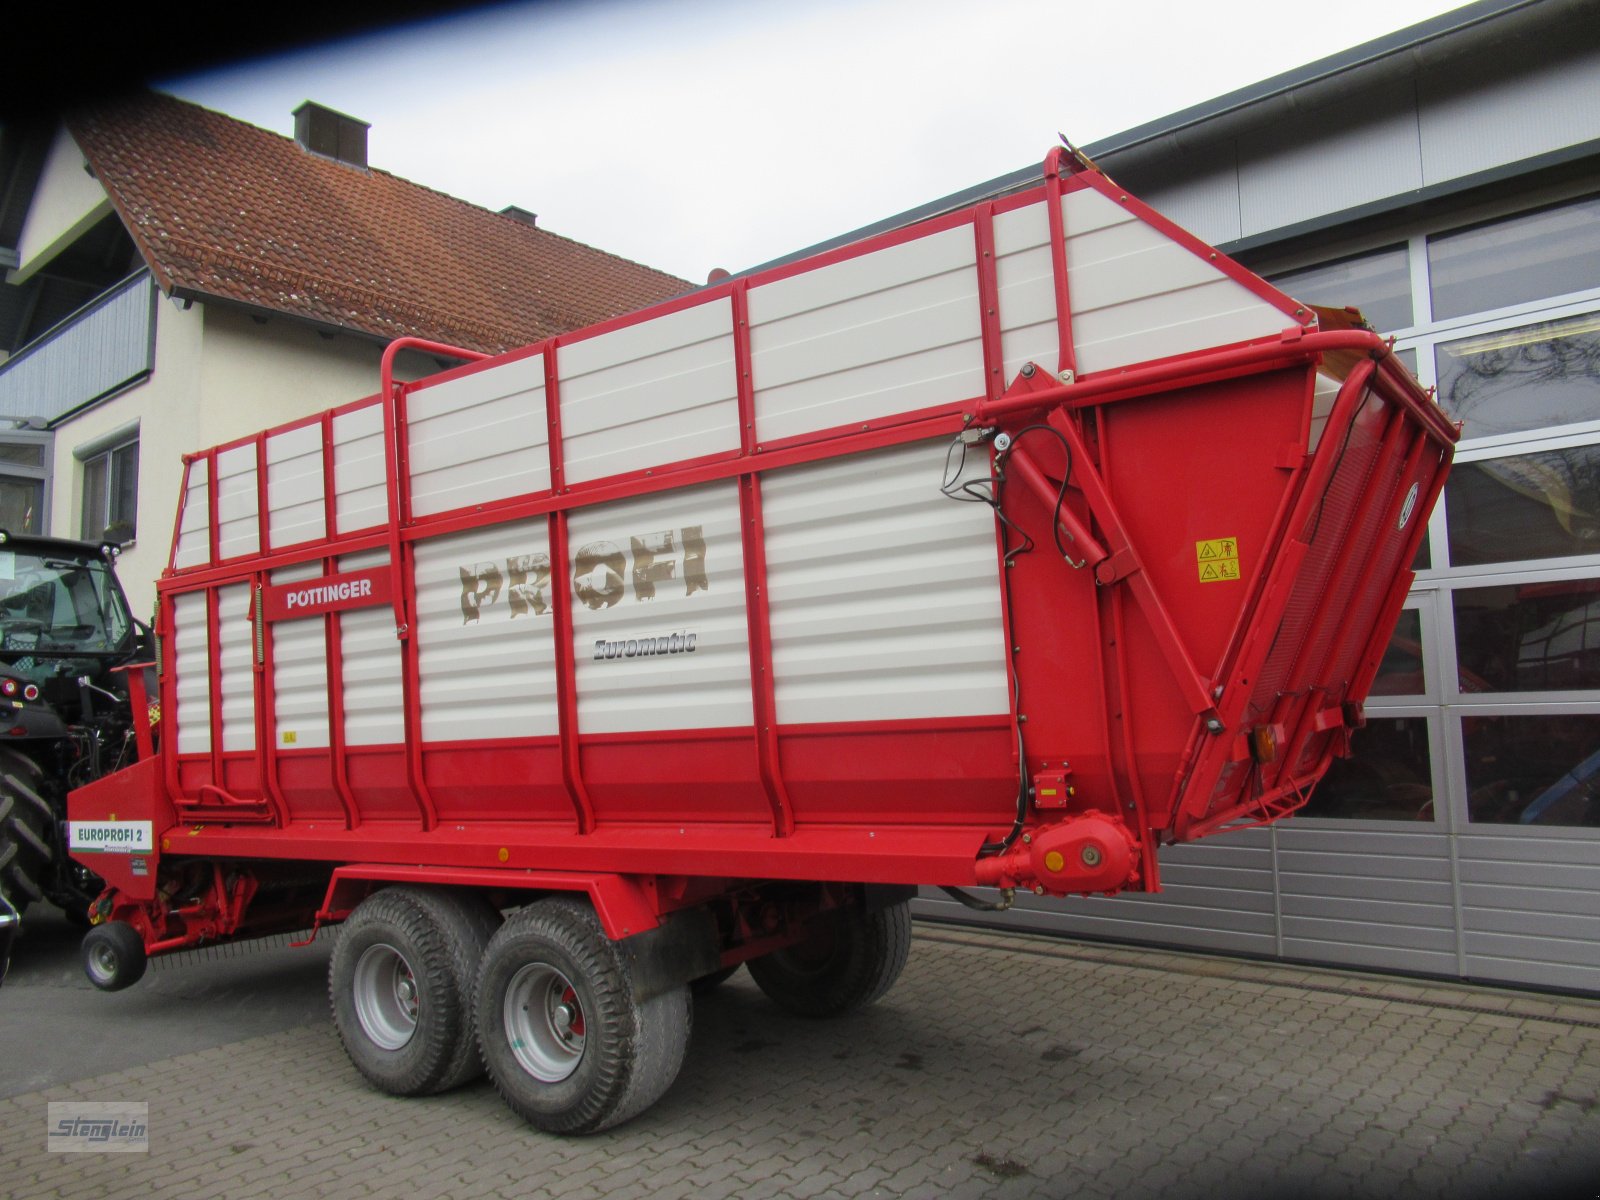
(520,214)
(331,134)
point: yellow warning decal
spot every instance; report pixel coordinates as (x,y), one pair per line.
(1217,560)
(289,737)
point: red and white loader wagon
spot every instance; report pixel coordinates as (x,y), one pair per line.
(994,551)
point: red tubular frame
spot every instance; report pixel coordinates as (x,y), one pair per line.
(398,485)
(1054,163)
(561,610)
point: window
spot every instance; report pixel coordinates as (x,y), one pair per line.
(1531,377)
(1401,673)
(1524,506)
(1528,637)
(1533,770)
(110,490)
(24,469)
(1379,284)
(1388,777)
(1527,257)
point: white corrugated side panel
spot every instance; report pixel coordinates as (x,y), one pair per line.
(297,508)
(478,438)
(234,657)
(1323,397)
(884,333)
(300,671)
(1026,285)
(374,700)
(486,634)
(238,503)
(1137,295)
(885,594)
(649,394)
(361,498)
(191,662)
(194,524)
(654,543)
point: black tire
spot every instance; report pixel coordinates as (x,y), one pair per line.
(468,922)
(565,1037)
(27,856)
(113,956)
(850,960)
(400,984)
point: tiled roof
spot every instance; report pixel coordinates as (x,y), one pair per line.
(220,208)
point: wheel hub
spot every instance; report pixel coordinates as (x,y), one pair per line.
(544,1022)
(386,997)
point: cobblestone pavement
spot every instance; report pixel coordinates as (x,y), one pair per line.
(1001,1065)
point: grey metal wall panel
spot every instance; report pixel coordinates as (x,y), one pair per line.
(105,346)
(1530,908)
(1579,848)
(1303,910)
(1541,962)
(1129,920)
(1575,877)
(1525,894)
(1329,160)
(1325,888)
(1367,898)
(1503,111)
(1205,201)
(1363,860)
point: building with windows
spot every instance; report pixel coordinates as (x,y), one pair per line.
(175,278)
(1446,181)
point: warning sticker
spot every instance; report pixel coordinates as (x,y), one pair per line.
(1217,560)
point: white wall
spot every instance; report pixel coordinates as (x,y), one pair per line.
(67,203)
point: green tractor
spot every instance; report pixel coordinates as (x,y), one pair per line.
(67,640)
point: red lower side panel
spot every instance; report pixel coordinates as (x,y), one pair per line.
(377,777)
(501,783)
(935,773)
(875,776)
(689,777)
(305,781)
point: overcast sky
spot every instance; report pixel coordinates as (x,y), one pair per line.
(703,133)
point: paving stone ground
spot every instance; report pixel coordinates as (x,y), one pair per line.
(1001,1065)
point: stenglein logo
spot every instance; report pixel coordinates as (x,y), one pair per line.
(98,1127)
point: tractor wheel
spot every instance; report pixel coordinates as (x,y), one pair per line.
(850,959)
(565,1036)
(27,856)
(400,983)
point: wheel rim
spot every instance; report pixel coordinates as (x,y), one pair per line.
(386,996)
(102,963)
(544,1022)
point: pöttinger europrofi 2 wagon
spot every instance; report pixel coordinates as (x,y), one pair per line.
(994,551)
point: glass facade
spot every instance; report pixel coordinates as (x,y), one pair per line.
(1486,709)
